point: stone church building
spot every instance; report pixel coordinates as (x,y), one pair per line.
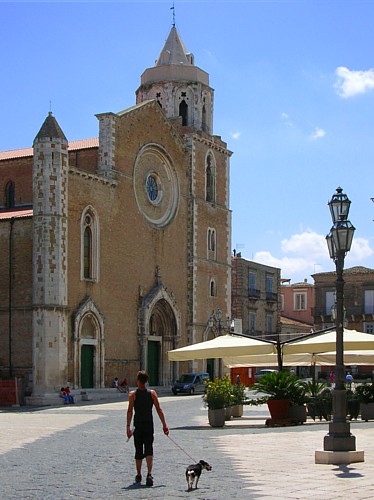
(116,249)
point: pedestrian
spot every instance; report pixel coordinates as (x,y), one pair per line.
(238,379)
(141,401)
(349,379)
(332,377)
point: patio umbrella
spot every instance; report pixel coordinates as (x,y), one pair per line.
(219,347)
(326,342)
(307,359)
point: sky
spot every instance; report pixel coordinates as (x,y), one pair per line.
(294,100)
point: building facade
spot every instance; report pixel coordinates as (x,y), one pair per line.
(358,299)
(255,297)
(116,249)
(297,301)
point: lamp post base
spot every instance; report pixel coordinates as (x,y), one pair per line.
(338,457)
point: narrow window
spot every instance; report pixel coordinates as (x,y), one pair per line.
(9,194)
(183,109)
(369,301)
(90,244)
(204,125)
(87,244)
(252,323)
(300,301)
(209,179)
(211,240)
(269,287)
(329,302)
(213,289)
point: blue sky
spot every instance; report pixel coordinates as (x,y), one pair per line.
(294,100)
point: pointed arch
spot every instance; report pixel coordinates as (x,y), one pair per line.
(88,336)
(9,195)
(211,244)
(183,112)
(159,332)
(90,244)
(210,178)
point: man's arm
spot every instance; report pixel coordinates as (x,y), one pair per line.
(130,410)
(160,412)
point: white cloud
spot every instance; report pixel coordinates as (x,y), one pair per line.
(235,135)
(309,255)
(350,83)
(360,250)
(306,243)
(318,133)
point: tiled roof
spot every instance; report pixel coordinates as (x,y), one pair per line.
(16,214)
(294,322)
(73,146)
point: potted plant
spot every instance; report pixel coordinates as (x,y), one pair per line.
(319,400)
(298,399)
(216,399)
(365,394)
(238,398)
(279,387)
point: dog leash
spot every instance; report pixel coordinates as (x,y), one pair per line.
(180,447)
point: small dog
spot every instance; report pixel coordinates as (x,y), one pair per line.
(194,472)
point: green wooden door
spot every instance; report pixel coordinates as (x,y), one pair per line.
(153,362)
(87,366)
(210,368)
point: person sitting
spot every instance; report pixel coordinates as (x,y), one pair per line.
(123,386)
(115,383)
(64,396)
(70,397)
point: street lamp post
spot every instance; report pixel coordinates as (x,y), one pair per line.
(339,438)
(215,321)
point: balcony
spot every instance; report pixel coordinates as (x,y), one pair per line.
(271,297)
(254,294)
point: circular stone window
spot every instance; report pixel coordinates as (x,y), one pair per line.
(153,188)
(155,185)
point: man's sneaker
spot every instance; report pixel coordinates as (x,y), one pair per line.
(138,478)
(149,481)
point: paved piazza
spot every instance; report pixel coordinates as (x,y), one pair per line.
(80,451)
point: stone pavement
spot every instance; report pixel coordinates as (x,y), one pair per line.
(80,451)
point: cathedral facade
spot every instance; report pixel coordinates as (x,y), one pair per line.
(117,249)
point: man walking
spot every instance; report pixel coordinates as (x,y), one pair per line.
(142,401)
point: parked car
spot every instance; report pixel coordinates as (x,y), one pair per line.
(189,383)
(261,373)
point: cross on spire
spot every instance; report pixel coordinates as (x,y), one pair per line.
(173,9)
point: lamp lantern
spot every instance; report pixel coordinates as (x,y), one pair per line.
(339,205)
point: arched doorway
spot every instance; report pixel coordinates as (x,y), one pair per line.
(158,333)
(161,339)
(88,346)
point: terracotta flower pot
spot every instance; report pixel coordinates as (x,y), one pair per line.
(278,408)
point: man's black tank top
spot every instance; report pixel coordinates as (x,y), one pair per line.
(143,405)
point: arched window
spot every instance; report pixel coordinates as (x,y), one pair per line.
(211,242)
(204,124)
(212,288)
(87,251)
(183,110)
(89,245)
(210,179)
(9,195)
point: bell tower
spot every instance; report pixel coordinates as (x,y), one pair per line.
(181,88)
(50,186)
